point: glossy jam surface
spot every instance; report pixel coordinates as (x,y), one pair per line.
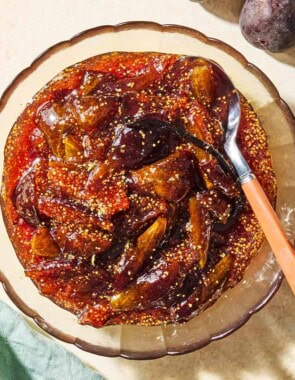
(114,214)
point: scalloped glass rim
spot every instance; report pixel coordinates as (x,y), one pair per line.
(263,277)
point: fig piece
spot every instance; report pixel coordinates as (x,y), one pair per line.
(147,288)
(105,199)
(54,119)
(68,211)
(143,142)
(204,290)
(142,210)
(203,82)
(177,79)
(80,241)
(199,229)
(220,180)
(134,104)
(219,207)
(42,243)
(30,186)
(170,178)
(96,83)
(79,113)
(73,148)
(216,276)
(197,125)
(94,148)
(96,315)
(269,24)
(135,256)
(91,112)
(67,177)
(138,83)
(67,277)
(152,236)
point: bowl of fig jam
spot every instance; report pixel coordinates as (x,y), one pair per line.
(122,215)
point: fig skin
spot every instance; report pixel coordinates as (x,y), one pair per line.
(269,24)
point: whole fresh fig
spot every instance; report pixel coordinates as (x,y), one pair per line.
(269,24)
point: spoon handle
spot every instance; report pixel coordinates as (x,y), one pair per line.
(282,248)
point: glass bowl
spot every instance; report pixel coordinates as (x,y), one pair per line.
(263,277)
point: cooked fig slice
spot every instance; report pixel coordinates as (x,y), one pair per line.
(200,225)
(197,125)
(75,239)
(73,148)
(96,83)
(138,83)
(219,207)
(143,142)
(68,277)
(137,144)
(54,119)
(90,112)
(107,199)
(221,180)
(67,177)
(203,82)
(57,117)
(42,243)
(147,288)
(134,104)
(200,124)
(104,199)
(203,290)
(50,268)
(94,148)
(170,178)
(96,315)
(99,172)
(133,258)
(152,237)
(215,276)
(29,188)
(142,210)
(67,211)
(177,79)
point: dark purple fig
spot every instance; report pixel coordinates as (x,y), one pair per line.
(269,24)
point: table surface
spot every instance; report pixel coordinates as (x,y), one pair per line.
(265,347)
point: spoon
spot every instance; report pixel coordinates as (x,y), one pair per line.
(267,218)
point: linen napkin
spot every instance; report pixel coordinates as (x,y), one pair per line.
(26,355)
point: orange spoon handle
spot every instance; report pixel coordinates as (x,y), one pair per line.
(283,250)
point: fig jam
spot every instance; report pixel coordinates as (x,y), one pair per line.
(115,215)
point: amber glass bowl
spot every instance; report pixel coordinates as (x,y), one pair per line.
(263,276)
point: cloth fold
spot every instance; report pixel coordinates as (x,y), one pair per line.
(27,355)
